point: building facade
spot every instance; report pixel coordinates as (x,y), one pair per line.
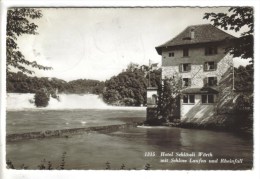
(197,56)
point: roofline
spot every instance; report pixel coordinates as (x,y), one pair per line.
(163,45)
(159,51)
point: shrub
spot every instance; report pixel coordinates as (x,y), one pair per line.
(41,98)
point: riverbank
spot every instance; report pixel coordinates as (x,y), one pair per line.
(66,133)
(237,123)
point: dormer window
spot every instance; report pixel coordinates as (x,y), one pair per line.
(211,50)
(171,54)
(185,52)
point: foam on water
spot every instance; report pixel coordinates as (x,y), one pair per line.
(24,101)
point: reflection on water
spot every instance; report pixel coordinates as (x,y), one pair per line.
(126,146)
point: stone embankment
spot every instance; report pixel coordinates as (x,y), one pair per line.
(66,132)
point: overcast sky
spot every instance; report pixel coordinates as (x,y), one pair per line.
(97,43)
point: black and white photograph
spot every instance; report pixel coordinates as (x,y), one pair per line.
(129,88)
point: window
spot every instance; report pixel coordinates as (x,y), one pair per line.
(186,82)
(210,66)
(186,52)
(211,81)
(171,54)
(211,50)
(207,98)
(185,67)
(192,98)
(189,99)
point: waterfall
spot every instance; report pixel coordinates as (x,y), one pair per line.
(25,101)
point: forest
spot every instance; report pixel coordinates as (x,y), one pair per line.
(128,88)
(22,83)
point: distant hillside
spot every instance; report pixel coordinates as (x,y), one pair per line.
(21,83)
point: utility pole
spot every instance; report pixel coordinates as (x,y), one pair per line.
(233,77)
(149,83)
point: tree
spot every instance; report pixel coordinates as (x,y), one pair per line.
(237,18)
(169,99)
(244,78)
(41,98)
(17,25)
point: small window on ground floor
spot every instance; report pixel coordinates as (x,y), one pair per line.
(207,98)
(189,99)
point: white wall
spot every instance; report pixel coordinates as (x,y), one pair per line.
(196,110)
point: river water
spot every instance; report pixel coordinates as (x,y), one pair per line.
(124,146)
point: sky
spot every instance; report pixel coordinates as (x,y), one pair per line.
(98,43)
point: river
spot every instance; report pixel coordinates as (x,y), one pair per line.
(124,146)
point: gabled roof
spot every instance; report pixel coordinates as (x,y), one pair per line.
(202,34)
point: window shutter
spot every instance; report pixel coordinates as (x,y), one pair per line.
(215,65)
(215,81)
(205,66)
(180,68)
(189,82)
(189,67)
(181,82)
(205,81)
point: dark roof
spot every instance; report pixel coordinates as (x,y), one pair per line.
(204,90)
(203,33)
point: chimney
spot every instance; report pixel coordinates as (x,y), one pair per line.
(192,33)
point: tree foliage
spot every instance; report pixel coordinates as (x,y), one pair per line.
(237,18)
(21,83)
(169,99)
(18,24)
(244,85)
(41,98)
(129,87)
(244,78)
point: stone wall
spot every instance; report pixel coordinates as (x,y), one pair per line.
(196,56)
(170,67)
(66,132)
(197,73)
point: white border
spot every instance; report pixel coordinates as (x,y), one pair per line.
(8,174)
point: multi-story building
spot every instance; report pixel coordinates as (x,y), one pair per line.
(197,56)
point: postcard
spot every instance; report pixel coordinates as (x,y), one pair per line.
(126,88)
